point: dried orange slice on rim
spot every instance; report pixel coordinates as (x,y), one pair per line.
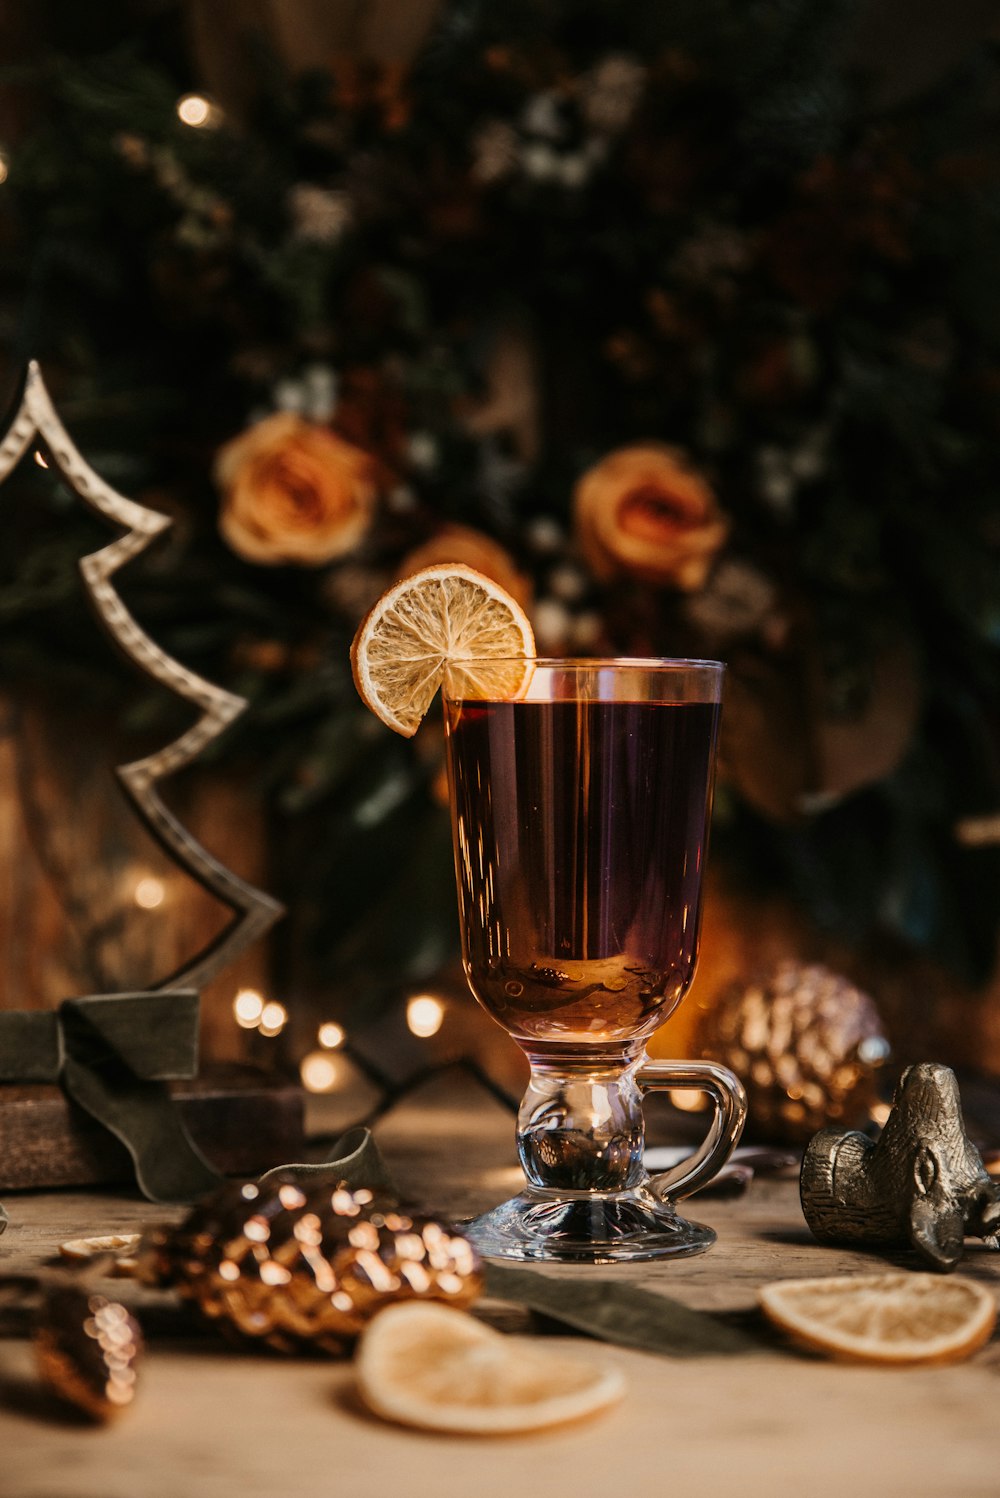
(443,618)
(884,1318)
(437,1368)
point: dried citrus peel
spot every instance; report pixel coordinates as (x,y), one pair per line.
(884,1318)
(440,1369)
(443,618)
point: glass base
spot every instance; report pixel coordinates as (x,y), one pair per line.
(587,1228)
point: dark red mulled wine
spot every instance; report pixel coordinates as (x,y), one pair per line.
(580,837)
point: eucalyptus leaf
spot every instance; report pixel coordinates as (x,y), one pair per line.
(619,1312)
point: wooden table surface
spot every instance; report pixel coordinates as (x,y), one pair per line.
(214,1424)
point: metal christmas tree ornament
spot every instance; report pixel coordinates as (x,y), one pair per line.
(923,1184)
(151,1036)
(254,912)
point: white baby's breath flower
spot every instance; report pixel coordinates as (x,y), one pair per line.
(552,624)
(567,583)
(541,116)
(288,395)
(587,631)
(422,449)
(319,392)
(776,482)
(540,161)
(319,215)
(737,600)
(545,535)
(312,394)
(809,459)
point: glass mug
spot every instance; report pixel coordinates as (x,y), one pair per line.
(581,797)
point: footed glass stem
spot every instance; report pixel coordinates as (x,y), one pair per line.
(587,1196)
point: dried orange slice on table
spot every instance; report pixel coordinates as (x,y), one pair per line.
(437,1368)
(426,624)
(884,1318)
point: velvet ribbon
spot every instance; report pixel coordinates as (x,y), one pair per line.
(113,1055)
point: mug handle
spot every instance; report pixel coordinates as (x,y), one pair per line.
(730,1100)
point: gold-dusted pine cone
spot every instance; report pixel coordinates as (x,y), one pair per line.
(88,1348)
(300,1268)
(806,1043)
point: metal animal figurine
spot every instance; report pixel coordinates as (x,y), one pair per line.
(922,1185)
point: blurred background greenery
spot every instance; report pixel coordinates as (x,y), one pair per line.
(680,320)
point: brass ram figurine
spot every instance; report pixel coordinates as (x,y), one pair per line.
(922,1185)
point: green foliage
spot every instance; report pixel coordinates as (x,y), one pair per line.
(728,249)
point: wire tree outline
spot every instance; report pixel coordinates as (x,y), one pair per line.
(254,911)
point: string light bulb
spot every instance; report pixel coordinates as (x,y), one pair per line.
(248,1006)
(331,1035)
(198,112)
(149,892)
(424,1015)
(319,1072)
(686,1100)
(4,168)
(272,1019)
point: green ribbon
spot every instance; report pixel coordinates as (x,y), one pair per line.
(113,1055)
(620,1312)
(354,1161)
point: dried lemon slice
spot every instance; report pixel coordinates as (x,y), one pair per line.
(440,1369)
(122,1245)
(884,1318)
(422,626)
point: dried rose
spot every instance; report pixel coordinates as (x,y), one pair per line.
(643,512)
(295,492)
(460,543)
(737,601)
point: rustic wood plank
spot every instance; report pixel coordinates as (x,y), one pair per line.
(243,1120)
(212,1424)
(69,923)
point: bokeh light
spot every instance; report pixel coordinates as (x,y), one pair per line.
(272,1019)
(248,1006)
(687,1100)
(319,1071)
(149,892)
(197,111)
(331,1035)
(424,1015)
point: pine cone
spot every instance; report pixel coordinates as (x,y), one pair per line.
(87,1348)
(299,1268)
(806,1044)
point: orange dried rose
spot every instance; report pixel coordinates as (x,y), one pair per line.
(295,492)
(643,512)
(460,543)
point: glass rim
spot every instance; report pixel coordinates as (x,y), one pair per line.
(603,663)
